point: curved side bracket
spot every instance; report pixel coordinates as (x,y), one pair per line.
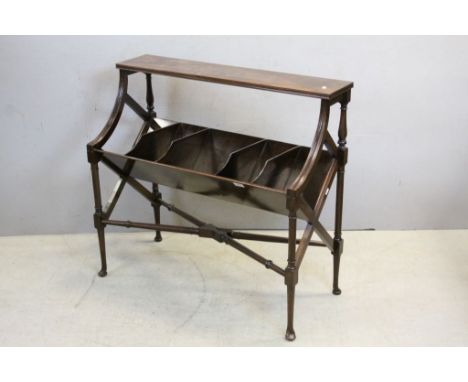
(320,135)
(114,118)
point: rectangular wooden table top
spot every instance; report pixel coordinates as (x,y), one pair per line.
(232,75)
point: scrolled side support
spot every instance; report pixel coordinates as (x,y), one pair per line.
(94,158)
(301,181)
(113,120)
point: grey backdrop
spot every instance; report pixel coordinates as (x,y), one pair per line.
(408,124)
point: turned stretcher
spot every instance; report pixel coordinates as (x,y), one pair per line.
(265,174)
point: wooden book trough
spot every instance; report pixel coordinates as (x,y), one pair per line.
(274,176)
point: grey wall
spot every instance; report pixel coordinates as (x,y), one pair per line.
(408,124)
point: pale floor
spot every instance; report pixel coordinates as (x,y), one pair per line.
(399,288)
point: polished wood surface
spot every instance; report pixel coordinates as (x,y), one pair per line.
(232,75)
(224,165)
(269,175)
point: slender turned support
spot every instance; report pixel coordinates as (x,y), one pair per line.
(156,193)
(157,211)
(342,159)
(150,97)
(98,218)
(291,276)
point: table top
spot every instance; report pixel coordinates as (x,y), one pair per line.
(238,76)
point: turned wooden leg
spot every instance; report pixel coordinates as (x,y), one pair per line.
(152,115)
(342,159)
(98,218)
(157,211)
(336,270)
(102,251)
(338,240)
(290,333)
(291,277)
